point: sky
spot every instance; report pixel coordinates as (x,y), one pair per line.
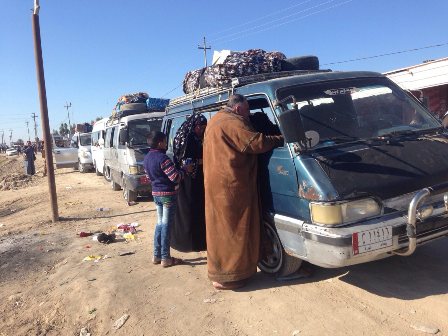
(94,51)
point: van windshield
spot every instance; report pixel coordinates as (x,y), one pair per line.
(357,109)
(85,140)
(139,129)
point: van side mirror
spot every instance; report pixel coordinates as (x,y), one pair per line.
(292,127)
(123,136)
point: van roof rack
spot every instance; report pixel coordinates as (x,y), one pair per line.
(239,81)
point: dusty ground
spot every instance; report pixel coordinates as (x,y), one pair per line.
(46,288)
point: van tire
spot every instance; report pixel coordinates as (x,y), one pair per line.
(82,169)
(140,107)
(129,195)
(106,173)
(115,186)
(278,262)
(97,172)
(300,63)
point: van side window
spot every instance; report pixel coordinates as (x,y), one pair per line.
(115,137)
(262,117)
(95,137)
(74,142)
(107,138)
(175,124)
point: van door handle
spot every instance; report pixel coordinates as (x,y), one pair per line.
(57,152)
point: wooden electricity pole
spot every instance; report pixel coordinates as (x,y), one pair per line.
(34,116)
(44,112)
(205,48)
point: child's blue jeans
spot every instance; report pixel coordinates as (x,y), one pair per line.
(166,209)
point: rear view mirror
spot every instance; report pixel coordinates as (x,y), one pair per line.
(292,127)
(312,138)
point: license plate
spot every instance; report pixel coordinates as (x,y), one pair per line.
(371,240)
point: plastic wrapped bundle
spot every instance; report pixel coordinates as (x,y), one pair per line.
(240,64)
(131,98)
(236,64)
(156,104)
(192,80)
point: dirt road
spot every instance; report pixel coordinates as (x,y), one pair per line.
(47,289)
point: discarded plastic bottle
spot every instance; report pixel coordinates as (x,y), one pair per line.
(102,209)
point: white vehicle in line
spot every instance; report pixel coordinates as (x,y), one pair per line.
(77,156)
(125,147)
(98,135)
(11,152)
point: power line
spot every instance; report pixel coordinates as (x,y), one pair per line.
(269,26)
(166,94)
(388,54)
(254,28)
(260,18)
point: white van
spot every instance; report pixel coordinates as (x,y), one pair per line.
(77,155)
(124,150)
(98,136)
(83,141)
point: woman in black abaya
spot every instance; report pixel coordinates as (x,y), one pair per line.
(188,232)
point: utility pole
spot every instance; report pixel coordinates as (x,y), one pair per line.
(67,106)
(44,112)
(205,48)
(28,129)
(34,116)
(3,137)
(10,137)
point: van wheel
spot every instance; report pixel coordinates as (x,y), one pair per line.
(129,195)
(276,261)
(81,167)
(106,174)
(115,186)
(97,172)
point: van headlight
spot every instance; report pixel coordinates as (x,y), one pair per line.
(136,169)
(337,213)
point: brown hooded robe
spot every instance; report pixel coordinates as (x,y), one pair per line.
(231,197)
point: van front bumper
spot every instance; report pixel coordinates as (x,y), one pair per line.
(332,247)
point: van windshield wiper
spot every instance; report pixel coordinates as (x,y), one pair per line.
(341,139)
(399,133)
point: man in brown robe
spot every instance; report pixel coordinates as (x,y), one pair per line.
(232,208)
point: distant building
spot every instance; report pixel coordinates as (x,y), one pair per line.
(427,81)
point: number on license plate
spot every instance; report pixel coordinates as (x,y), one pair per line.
(371,240)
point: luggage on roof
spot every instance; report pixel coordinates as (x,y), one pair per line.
(139,102)
(236,64)
(231,64)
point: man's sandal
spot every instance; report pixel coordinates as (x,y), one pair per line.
(171,262)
